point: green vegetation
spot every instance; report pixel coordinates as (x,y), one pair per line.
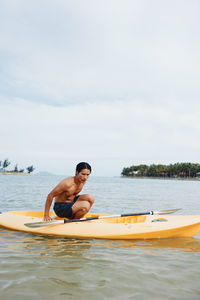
(181,170)
(5,163)
(30,169)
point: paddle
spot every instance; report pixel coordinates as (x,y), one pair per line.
(47,223)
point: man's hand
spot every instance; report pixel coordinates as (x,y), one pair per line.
(47,218)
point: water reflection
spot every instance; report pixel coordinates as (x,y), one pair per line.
(19,243)
(184,244)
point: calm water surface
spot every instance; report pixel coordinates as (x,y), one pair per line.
(60,268)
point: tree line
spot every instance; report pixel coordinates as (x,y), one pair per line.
(190,170)
(5,163)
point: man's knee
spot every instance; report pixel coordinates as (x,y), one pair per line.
(90,198)
(84,210)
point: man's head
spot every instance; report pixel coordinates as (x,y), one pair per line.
(83,165)
(83,171)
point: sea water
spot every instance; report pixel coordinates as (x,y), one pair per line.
(33,266)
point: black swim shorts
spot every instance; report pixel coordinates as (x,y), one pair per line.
(64,209)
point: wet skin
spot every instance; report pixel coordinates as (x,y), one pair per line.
(66,190)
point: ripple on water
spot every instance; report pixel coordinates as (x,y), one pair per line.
(60,268)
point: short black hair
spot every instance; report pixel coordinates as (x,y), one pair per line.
(83,165)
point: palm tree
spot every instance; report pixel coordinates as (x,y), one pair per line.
(30,169)
(6,163)
(16,168)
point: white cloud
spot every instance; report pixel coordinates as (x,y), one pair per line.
(109,136)
(112,82)
(66,52)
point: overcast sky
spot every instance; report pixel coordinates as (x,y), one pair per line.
(112,82)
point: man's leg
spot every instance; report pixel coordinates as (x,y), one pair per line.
(82,205)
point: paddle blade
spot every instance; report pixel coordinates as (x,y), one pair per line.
(166,211)
(42,224)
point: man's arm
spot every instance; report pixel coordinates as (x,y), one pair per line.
(47,207)
(60,188)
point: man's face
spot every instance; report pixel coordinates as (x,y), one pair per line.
(83,175)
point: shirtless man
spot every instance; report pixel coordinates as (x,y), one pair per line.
(68,203)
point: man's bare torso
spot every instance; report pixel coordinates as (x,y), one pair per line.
(71,189)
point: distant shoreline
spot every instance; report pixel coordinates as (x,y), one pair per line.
(164,178)
(14,173)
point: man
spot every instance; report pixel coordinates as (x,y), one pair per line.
(68,202)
